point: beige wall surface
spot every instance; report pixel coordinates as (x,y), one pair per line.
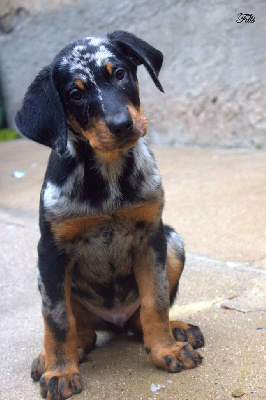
(7,6)
(214,72)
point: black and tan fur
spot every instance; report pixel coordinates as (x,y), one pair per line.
(105,257)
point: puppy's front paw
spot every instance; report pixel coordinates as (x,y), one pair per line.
(56,385)
(179,355)
(37,366)
(183,332)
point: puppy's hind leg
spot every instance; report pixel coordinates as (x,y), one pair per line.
(152,280)
(86,324)
(175,261)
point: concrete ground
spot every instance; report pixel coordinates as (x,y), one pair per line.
(217,200)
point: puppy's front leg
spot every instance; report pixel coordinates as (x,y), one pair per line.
(151,277)
(61,376)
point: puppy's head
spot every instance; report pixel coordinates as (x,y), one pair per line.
(91,89)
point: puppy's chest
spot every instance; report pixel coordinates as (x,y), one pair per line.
(103,248)
(104,251)
(103,269)
(125,224)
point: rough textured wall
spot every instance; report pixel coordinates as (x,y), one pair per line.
(34,6)
(213,74)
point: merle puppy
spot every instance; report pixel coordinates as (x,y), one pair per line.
(105,257)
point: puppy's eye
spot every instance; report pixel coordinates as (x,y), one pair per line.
(76,94)
(120,73)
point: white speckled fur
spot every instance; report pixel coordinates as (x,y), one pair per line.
(59,201)
(82,62)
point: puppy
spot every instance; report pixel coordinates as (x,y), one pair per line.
(105,259)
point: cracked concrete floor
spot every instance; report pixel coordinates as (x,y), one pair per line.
(217,200)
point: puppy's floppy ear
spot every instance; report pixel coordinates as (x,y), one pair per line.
(41,116)
(141,53)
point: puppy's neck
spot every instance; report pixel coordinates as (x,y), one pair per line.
(110,157)
(110,163)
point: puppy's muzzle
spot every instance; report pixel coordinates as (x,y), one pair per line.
(122,127)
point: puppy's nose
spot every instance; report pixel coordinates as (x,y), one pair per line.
(120,124)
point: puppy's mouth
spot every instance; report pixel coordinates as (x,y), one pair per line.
(100,137)
(108,143)
(130,141)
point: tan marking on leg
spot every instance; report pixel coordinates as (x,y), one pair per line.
(181,330)
(86,336)
(174,268)
(61,358)
(67,349)
(154,311)
(166,353)
(86,323)
(136,325)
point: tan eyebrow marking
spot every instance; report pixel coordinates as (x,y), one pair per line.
(79,84)
(109,68)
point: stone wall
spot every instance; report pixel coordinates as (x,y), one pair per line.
(214,68)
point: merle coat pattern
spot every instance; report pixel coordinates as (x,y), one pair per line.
(105,258)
